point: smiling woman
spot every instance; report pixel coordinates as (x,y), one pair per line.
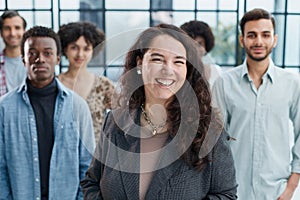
(150,144)
(163,69)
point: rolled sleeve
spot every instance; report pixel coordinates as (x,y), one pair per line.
(295,117)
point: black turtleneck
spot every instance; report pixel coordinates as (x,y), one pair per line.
(43,103)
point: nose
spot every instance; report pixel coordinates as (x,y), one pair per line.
(167,67)
(13,32)
(80,52)
(258,40)
(39,58)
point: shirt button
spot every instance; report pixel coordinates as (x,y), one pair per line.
(37,198)
(35,159)
(36,180)
(34,139)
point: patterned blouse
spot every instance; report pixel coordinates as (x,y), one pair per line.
(99,100)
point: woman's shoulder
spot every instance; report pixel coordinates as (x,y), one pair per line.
(103,85)
(222,145)
(104,81)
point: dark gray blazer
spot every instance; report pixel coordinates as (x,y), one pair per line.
(175,181)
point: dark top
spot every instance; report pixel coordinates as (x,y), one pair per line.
(43,103)
(107,177)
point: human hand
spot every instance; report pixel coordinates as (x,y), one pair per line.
(286,195)
(290,187)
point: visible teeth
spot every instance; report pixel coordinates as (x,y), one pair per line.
(165,82)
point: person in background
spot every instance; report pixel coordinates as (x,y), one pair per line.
(46,130)
(12,70)
(150,146)
(203,35)
(258,100)
(80,41)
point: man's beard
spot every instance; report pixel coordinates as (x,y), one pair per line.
(258,59)
(12,46)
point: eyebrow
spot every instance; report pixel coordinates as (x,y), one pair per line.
(253,32)
(9,25)
(86,45)
(47,48)
(181,57)
(160,55)
(156,54)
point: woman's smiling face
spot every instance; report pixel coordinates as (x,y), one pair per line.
(79,53)
(163,68)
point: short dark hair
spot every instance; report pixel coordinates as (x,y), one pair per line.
(256,14)
(11,14)
(196,28)
(70,32)
(40,31)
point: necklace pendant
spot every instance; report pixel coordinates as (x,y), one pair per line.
(154,132)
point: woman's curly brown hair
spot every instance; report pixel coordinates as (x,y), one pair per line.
(71,32)
(195,111)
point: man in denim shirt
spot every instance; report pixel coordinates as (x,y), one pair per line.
(46,130)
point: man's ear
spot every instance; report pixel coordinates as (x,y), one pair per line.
(58,60)
(275,40)
(241,40)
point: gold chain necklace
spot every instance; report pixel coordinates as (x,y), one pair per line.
(148,120)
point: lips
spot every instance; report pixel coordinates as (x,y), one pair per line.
(258,50)
(39,68)
(79,60)
(164,82)
(14,40)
